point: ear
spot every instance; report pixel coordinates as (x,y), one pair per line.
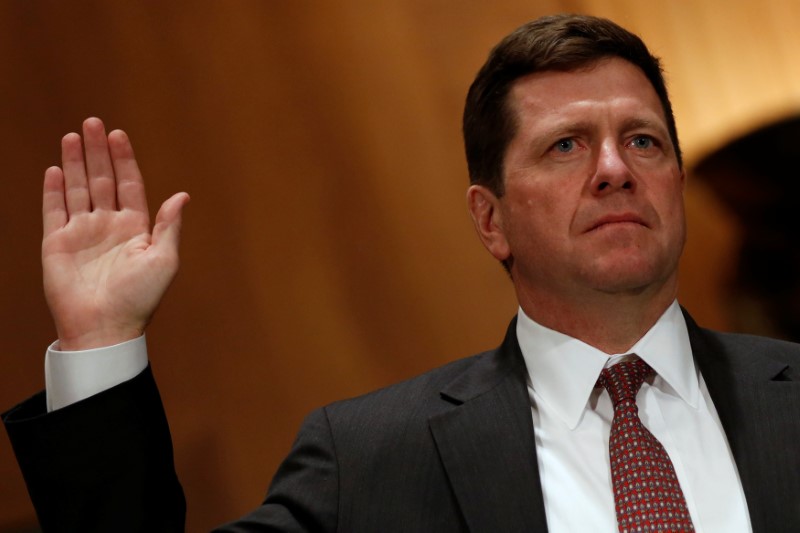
(484,207)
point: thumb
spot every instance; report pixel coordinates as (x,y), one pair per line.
(167,229)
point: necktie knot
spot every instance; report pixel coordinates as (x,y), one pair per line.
(623,380)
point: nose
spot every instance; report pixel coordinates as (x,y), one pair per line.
(611,171)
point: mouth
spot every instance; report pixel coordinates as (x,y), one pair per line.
(616,220)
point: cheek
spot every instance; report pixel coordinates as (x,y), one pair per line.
(671,212)
(675,205)
(541,209)
(538,224)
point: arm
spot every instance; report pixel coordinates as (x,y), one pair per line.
(104,463)
(101,464)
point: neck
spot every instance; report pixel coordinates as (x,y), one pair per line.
(611,323)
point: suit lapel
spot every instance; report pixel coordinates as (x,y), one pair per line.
(757,397)
(486,444)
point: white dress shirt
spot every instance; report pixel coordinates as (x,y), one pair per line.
(571,420)
(572,423)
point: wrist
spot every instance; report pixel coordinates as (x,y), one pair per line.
(96,339)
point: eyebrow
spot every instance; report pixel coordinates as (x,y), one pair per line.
(568,128)
(636,123)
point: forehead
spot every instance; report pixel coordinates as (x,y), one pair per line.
(611,87)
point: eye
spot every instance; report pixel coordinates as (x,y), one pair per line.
(565,145)
(642,142)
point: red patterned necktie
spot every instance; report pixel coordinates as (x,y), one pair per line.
(647,495)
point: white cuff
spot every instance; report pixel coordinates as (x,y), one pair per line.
(74,376)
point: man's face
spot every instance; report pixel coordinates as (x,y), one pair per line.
(593,194)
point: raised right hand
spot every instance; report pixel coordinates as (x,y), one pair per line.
(104,272)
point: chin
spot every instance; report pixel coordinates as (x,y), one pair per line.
(631,277)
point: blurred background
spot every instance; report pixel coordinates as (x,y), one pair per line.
(327,249)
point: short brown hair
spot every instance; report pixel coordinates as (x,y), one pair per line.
(557,42)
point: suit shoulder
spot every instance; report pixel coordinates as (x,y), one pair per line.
(754,346)
(747,339)
(408,398)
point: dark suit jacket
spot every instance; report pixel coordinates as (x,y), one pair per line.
(451,450)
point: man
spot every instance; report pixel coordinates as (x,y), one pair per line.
(577,185)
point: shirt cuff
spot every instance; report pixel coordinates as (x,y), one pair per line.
(74,376)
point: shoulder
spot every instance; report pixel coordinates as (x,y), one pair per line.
(746,339)
(376,432)
(754,344)
(411,397)
(740,348)
(747,353)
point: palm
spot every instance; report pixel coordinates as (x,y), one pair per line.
(104,273)
(93,263)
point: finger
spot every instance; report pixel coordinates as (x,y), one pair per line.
(102,186)
(76,187)
(167,229)
(130,185)
(54,207)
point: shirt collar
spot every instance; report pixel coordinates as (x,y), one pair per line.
(563,370)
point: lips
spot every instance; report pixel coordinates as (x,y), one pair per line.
(621,218)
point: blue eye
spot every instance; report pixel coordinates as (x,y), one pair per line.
(565,145)
(642,141)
